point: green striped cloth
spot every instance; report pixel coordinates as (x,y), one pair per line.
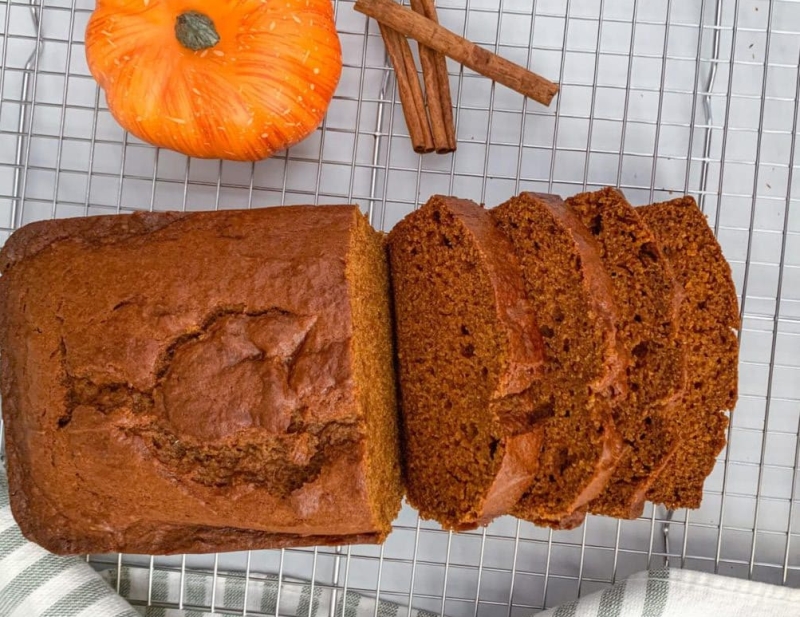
(658,593)
(36,583)
(684,593)
(156,595)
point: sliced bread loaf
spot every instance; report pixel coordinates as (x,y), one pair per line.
(468,345)
(648,299)
(709,318)
(573,297)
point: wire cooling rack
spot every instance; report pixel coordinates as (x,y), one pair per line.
(658,97)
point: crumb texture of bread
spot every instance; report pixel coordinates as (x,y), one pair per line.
(709,322)
(373,353)
(648,299)
(573,297)
(467,344)
(199,382)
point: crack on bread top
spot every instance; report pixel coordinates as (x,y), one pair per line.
(280,465)
(231,402)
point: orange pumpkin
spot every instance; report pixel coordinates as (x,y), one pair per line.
(233,79)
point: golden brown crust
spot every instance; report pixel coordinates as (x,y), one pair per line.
(519,465)
(467,345)
(35,237)
(186,371)
(709,319)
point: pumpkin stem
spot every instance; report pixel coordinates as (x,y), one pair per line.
(195,31)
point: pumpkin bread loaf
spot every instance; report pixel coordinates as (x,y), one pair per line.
(468,345)
(199,382)
(573,297)
(709,319)
(648,299)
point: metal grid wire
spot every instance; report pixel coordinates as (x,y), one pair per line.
(658,97)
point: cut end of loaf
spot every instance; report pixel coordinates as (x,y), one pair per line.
(367,273)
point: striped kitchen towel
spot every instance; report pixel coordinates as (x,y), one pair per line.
(156,594)
(36,583)
(683,593)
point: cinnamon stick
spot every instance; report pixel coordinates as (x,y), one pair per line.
(426,31)
(437,86)
(443,80)
(416,90)
(409,89)
(434,99)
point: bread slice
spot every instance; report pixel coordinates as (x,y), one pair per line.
(467,344)
(573,297)
(199,382)
(648,299)
(709,319)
